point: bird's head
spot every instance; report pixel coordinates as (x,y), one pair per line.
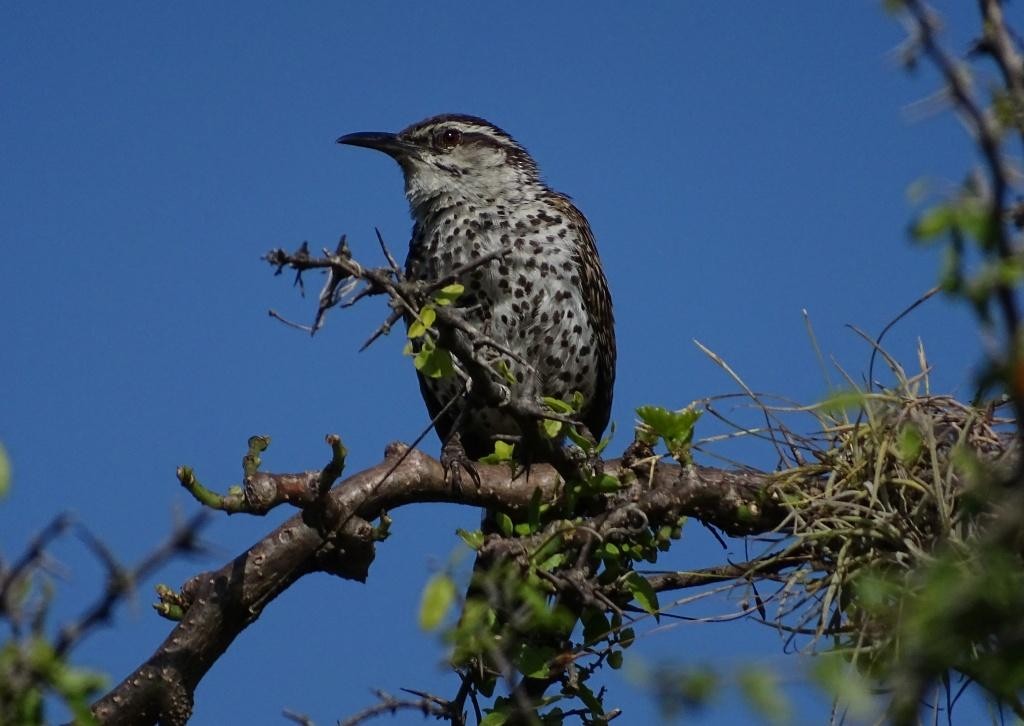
(456,156)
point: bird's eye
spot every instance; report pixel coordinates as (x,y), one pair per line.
(448,138)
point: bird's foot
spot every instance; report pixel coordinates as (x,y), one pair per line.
(455,462)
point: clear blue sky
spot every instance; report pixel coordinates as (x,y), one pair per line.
(737,164)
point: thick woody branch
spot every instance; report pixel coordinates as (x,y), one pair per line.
(220,604)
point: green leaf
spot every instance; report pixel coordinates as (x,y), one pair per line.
(576,400)
(551,546)
(579,439)
(605,484)
(438,596)
(668,424)
(494,718)
(449,294)
(423,322)
(502,367)
(557,405)
(615,659)
(552,562)
(643,593)
(909,443)
(627,636)
(434,362)
(551,428)
(504,523)
(502,452)
(590,700)
(534,661)
(674,427)
(474,539)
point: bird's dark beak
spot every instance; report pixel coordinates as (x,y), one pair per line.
(390,144)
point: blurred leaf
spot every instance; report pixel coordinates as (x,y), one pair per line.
(688,688)
(909,443)
(934,222)
(550,547)
(555,560)
(494,718)
(643,593)
(5,472)
(533,660)
(533,511)
(844,683)
(842,402)
(627,636)
(761,688)
(595,625)
(438,596)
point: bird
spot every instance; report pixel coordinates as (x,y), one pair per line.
(473,191)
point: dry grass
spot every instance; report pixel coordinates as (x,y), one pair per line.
(880,489)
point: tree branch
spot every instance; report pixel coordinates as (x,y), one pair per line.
(222,603)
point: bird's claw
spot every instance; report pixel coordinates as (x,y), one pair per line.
(454,462)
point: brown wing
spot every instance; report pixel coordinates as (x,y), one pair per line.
(597,301)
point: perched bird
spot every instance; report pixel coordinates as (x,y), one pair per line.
(472,189)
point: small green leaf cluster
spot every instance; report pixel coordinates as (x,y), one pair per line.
(554,429)
(519,611)
(579,493)
(430,359)
(675,428)
(643,546)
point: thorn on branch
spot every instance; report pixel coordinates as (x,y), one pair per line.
(388,256)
